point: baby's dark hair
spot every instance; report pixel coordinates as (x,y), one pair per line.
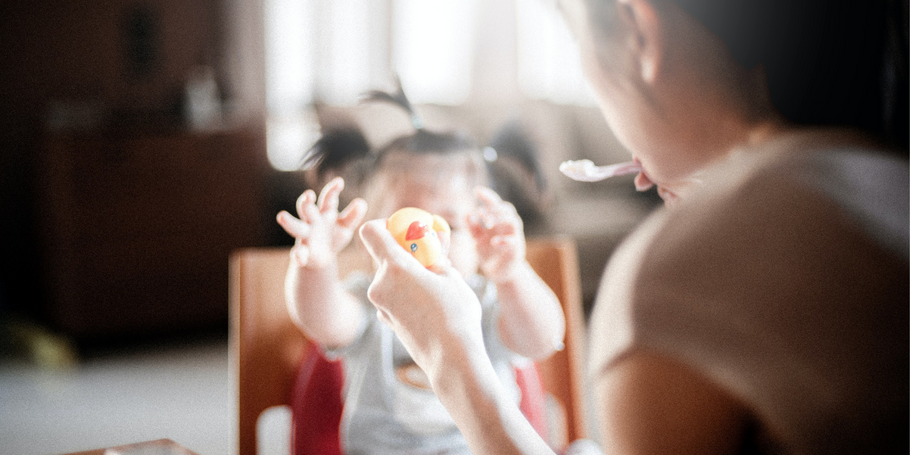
(427,142)
(346,150)
(422,141)
(335,150)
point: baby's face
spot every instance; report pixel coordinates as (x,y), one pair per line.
(440,185)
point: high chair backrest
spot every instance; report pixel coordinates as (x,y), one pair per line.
(267,348)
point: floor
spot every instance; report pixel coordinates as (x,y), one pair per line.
(180,390)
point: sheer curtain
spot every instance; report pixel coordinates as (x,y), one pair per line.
(433,49)
(548,64)
(332,51)
(329,51)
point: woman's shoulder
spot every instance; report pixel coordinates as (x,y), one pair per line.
(790,255)
(841,176)
(764,219)
(766,225)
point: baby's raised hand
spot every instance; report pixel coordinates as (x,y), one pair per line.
(321,231)
(499,233)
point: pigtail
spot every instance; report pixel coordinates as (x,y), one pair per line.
(336,149)
(399,99)
(422,141)
(341,151)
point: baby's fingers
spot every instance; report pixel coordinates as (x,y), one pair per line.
(505,242)
(311,215)
(293,226)
(328,198)
(306,199)
(494,209)
(502,229)
(489,197)
(352,214)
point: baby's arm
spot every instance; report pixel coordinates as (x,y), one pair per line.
(532,322)
(317,303)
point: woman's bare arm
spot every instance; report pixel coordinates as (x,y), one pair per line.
(488,418)
(437,317)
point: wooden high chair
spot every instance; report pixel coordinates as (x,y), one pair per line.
(267,348)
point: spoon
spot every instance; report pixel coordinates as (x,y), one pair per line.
(586,171)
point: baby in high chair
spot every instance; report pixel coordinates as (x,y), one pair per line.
(388,404)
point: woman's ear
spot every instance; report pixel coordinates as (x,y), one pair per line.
(647,34)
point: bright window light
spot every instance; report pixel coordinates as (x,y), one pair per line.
(289,55)
(289,80)
(346,44)
(434,49)
(317,50)
(288,138)
(548,63)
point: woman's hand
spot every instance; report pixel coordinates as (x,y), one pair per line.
(433,311)
(320,231)
(437,317)
(499,233)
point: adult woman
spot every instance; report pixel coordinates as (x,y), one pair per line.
(767,311)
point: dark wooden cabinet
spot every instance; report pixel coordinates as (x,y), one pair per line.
(137,228)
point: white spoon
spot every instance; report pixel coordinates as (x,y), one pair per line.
(586,171)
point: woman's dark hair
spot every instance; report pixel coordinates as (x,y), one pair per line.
(828,62)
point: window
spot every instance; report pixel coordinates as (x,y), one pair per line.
(330,51)
(289,80)
(548,62)
(333,51)
(434,49)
